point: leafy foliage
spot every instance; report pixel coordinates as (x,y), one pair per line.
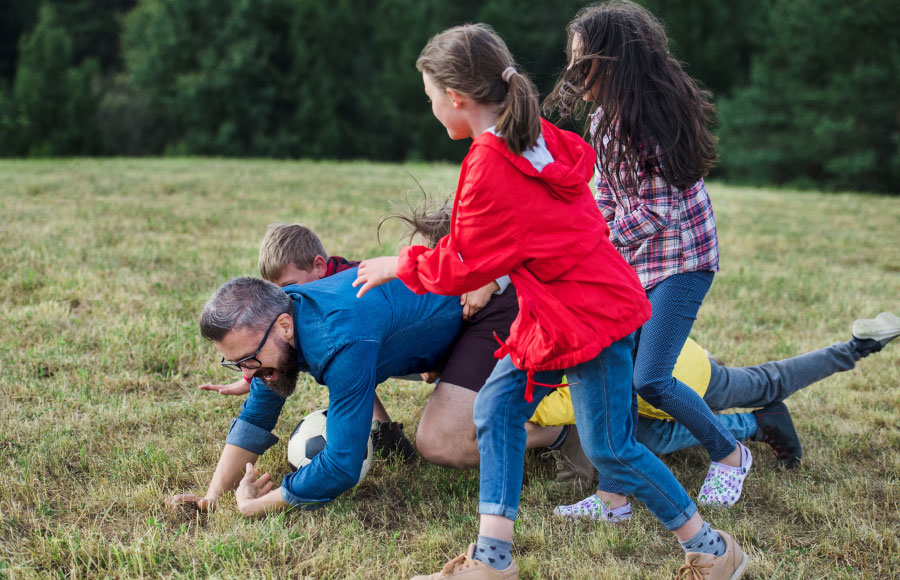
(806,90)
(822,107)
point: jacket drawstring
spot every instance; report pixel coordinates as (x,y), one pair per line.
(530,382)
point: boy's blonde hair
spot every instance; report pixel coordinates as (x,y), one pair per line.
(286,244)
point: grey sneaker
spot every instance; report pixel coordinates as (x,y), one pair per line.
(870,335)
(572,465)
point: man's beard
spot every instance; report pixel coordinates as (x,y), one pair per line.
(287,371)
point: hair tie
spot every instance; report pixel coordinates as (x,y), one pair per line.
(507,73)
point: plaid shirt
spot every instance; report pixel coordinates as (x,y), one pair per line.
(337,264)
(659,229)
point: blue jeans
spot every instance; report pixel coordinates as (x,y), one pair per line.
(601,392)
(661,436)
(676,301)
(754,386)
(773,381)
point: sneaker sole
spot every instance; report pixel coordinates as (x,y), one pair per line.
(885,325)
(741,567)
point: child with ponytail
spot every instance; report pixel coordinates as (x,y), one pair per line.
(579,301)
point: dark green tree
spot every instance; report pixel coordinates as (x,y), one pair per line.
(53,97)
(822,107)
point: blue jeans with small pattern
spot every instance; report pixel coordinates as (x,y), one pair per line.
(675,302)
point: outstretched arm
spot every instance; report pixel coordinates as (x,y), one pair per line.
(226,477)
(238,387)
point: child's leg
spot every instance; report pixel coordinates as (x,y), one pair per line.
(500,414)
(661,437)
(676,301)
(762,385)
(601,396)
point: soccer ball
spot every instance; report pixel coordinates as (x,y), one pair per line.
(308,440)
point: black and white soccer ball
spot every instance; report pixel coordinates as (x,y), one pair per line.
(308,440)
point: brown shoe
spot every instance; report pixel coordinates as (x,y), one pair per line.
(572,465)
(465,567)
(728,566)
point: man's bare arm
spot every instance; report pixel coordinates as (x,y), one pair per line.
(228,474)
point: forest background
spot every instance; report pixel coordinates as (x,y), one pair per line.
(808,91)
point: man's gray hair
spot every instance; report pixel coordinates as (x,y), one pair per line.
(242,303)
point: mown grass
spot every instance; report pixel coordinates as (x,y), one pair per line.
(107,263)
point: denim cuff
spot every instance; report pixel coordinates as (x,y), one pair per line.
(497,509)
(250,437)
(681,518)
(301,503)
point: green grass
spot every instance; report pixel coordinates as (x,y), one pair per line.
(106,265)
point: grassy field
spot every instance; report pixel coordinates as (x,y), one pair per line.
(106,265)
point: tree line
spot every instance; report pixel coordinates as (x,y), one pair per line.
(808,91)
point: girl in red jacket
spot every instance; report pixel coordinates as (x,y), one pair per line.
(650,129)
(579,301)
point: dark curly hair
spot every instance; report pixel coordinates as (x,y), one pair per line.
(652,115)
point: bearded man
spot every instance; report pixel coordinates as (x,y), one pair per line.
(350,345)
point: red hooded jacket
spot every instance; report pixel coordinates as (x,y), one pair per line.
(576,294)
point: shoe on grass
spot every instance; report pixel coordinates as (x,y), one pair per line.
(728,566)
(872,334)
(389,441)
(573,468)
(466,567)
(775,427)
(723,484)
(594,508)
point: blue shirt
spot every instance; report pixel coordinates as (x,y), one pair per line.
(350,345)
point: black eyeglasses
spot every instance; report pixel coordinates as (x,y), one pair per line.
(251,363)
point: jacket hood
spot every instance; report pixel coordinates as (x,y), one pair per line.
(566,175)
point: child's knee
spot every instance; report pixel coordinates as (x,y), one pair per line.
(651,386)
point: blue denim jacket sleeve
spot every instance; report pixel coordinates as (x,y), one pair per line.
(252,430)
(350,377)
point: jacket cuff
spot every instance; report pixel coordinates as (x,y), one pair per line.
(250,437)
(407,266)
(503,282)
(301,503)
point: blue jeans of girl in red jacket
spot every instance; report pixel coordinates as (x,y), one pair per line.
(601,392)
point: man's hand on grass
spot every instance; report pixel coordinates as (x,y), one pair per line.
(255,495)
(203,504)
